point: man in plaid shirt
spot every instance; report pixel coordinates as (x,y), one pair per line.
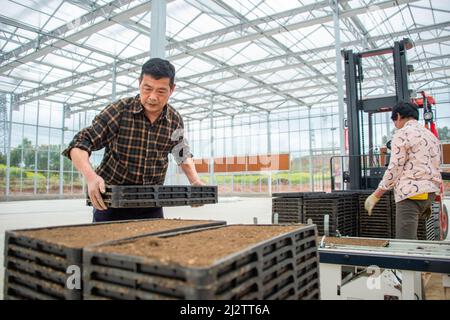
(137,133)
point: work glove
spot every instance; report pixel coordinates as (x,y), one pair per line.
(370,203)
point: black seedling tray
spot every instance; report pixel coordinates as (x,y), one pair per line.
(295,194)
(27,257)
(144,203)
(281,261)
(139,196)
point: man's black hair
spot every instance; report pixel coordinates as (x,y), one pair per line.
(158,68)
(406,110)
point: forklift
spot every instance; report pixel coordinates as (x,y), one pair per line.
(350,271)
(365,171)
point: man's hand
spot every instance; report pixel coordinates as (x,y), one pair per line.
(370,203)
(96,186)
(197,183)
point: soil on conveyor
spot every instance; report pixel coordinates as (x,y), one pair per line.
(81,236)
(330,241)
(198,249)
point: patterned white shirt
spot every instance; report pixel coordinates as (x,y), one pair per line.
(414,165)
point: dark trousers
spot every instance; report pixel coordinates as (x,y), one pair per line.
(116,214)
(407,216)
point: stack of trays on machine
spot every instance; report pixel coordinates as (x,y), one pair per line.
(289,206)
(341,208)
(231,262)
(424,232)
(39,262)
(433,225)
(347,214)
(381,224)
(134,196)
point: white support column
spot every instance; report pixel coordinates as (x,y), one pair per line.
(8,153)
(411,285)
(84,125)
(289,152)
(61,157)
(158,29)
(71,164)
(339,77)
(269,152)
(36,154)
(3,124)
(388,118)
(22,159)
(311,178)
(114,81)
(48,154)
(233,150)
(330,281)
(211,127)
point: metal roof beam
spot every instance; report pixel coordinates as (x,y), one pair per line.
(106,11)
(71,80)
(304,79)
(206,106)
(331,47)
(291,27)
(281,109)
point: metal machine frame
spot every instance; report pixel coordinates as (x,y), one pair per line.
(355,102)
(410,257)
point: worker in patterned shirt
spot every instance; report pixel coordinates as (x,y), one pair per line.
(413,171)
(137,133)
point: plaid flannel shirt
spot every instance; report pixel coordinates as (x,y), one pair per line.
(135,149)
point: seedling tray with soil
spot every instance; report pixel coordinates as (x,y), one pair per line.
(231,262)
(36,260)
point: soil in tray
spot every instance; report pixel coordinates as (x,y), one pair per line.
(81,236)
(330,241)
(198,249)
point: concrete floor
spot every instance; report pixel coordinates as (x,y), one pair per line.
(45,213)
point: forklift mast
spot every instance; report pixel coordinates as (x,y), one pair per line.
(356,104)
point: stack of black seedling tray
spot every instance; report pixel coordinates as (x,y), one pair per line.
(341,208)
(289,206)
(352,217)
(285,266)
(144,196)
(425,229)
(294,194)
(381,224)
(289,210)
(39,269)
(393,214)
(433,224)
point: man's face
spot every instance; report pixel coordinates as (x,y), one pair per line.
(154,93)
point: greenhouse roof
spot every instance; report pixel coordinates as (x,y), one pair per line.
(232,57)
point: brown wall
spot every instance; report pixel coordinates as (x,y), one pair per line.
(245,163)
(445,153)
